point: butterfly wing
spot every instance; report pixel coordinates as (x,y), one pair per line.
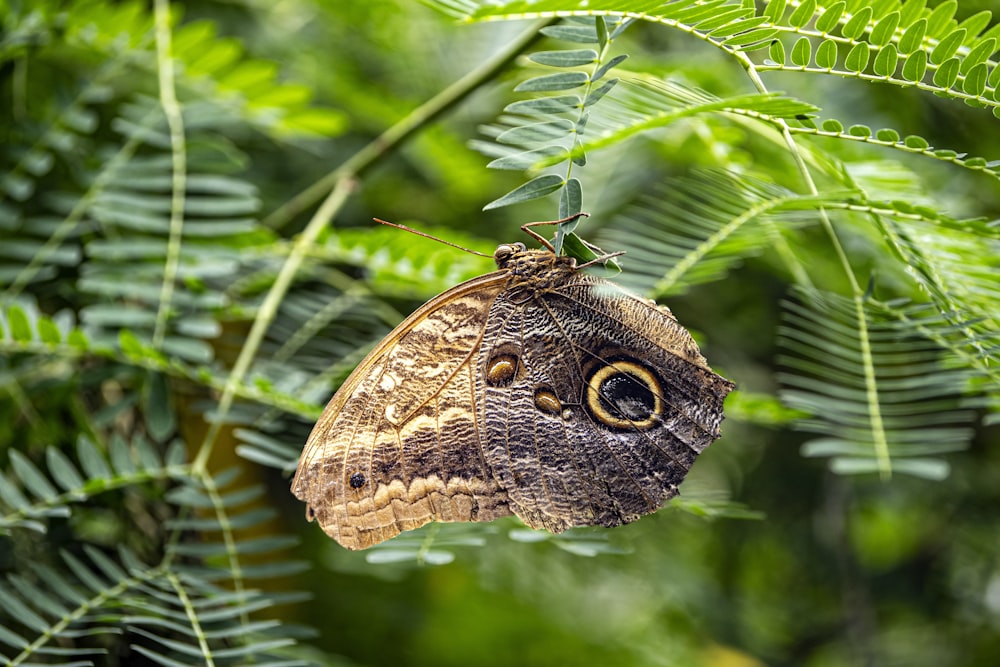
(398,444)
(610,403)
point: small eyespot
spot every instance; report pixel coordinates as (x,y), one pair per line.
(547,401)
(357,480)
(501,370)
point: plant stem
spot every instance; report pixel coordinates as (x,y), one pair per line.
(178,154)
(269,308)
(395,136)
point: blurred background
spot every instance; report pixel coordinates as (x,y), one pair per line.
(768,557)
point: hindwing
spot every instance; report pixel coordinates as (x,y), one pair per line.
(607,409)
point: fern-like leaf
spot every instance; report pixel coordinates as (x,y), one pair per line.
(698,228)
(884,397)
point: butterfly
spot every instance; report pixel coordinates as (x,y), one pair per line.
(537,390)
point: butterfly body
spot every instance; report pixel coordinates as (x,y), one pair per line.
(535,390)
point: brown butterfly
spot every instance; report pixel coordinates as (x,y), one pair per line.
(536,390)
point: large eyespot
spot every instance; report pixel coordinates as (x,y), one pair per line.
(501,369)
(357,480)
(624,395)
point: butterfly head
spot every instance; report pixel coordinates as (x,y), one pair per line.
(538,267)
(507,251)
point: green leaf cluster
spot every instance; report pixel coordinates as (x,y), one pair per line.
(188,271)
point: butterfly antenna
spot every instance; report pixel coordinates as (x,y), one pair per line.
(527,228)
(429,236)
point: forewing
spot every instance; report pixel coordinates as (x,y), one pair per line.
(398,444)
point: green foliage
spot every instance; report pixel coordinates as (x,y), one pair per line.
(891,401)
(187,271)
(527,143)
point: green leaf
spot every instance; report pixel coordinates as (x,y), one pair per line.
(882,7)
(885,61)
(37,162)
(802,14)
(573,58)
(607,67)
(860,131)
(63,471)
(601,27)
(600,92)
(941,18)
(911,11)
(915,66)
(975,80)
(571,33)
(775,10)
(12,496)
(828,19)
(885,29)
(914,141)
(91,460)
(832,125)
(696,13)
(801,52)
(913,37)
(553,82)
(622,26)
(947,73)
(755,39)
(978,54)
(573,246)
(571,199)
(16,608)
(932,469)
(776,51)
(546,155)
(121,456)
(975,24)
(83,573)
(159,414)
(533,189)
(31,477)
(108,567)
(855,26)
(78,340)
(736,27)
(826,54)
(857,57)
(130,344)
(536,133)
(545,105)
(48,332)
(175,455)
(888,135)
(719,19)
(19,327)
(947,47)
(11,639)
(147,455)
